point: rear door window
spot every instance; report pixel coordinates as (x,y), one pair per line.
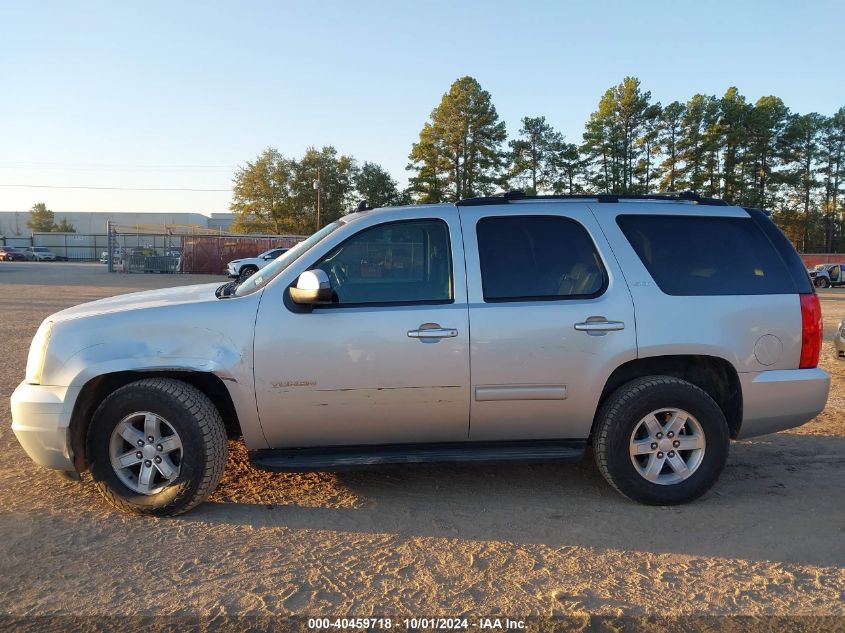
(699,256)
(528,258)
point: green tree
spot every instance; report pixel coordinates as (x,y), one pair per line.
(569,169)
(64,227)
(611,137)
(459,153)
(766,123)
(274,194)
(833,173)
(697,141)
(732,129)
(261,196)
(648,145)
(802,137)
(41,219)
(533,154)
(337,184)
(669,135)
(599,154)
(375,185)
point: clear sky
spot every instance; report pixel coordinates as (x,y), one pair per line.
(177,94)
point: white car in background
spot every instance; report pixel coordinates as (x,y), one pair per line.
(117,255)
(243,268)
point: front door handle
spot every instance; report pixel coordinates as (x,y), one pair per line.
(432,330)
(600,326)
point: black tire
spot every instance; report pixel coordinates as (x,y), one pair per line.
(246,272)
(618,418)
(201,431)
(822,283)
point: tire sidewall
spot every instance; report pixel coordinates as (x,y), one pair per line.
(676,395)
(136,398)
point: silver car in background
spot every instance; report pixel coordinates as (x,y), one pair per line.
(499,328)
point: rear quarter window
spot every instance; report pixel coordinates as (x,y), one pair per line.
(695,256)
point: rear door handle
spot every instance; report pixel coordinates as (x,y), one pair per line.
(434,332)
(600,326)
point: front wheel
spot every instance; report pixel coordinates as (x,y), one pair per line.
(660,440)
(247,272)
(822,283)
(157,446)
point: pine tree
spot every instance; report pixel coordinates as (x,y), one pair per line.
(669,136)
(569,167)
(41,219)
(533,155)
(833,172)
(732,128)
(459,153)
(766,124)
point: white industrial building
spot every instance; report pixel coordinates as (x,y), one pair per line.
(13,223)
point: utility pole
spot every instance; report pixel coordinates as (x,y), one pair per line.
(319,187)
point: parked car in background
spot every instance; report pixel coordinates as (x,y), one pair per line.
(39,254)
(827,275)
(243,268)
(355,349)
(839,340)
(117,255)
(11,254)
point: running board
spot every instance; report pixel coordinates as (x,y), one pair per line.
(348,457)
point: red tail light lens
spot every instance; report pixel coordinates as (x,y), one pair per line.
(811,331)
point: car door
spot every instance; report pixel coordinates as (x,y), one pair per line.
(550,315)
(388,362)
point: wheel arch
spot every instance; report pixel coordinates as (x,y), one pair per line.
(716,376)
(100,387)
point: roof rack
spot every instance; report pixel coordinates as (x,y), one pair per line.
(669,196)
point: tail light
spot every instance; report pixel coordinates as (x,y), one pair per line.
(811,331)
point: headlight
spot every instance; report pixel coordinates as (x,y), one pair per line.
(38,353)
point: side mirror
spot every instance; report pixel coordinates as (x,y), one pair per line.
(313,287)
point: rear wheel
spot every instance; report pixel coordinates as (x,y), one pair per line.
(157,446)
(660,440)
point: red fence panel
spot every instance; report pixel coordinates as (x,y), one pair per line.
(209,254)
(811,259)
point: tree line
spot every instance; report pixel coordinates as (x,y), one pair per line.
(275,194)
(758,154)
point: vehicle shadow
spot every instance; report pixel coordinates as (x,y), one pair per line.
(780,498)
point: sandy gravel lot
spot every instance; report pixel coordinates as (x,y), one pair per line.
(512,540)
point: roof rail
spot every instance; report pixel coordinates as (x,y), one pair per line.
(670,196)
(766,211)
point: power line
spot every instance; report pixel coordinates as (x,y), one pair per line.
(100,166)
(116,188)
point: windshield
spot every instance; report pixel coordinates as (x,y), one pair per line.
(819,267)
(269,272)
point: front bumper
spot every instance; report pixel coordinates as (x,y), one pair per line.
(41,421)
(781,399)
(232,270)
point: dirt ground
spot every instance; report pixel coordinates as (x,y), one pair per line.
(447,540)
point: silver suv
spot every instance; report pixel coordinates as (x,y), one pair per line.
(653,329)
